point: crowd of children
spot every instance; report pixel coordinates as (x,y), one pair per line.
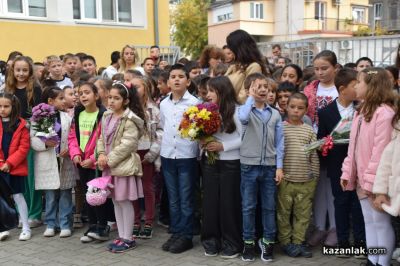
(264,189)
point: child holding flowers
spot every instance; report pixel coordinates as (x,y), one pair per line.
(54,171)
(179,162)
(222,217)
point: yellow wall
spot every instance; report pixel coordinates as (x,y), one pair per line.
(39,39)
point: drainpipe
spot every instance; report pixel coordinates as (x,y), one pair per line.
(156,29)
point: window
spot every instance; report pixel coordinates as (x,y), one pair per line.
(378,11)
(320,10)
(31,8)
(256,11)
(103,10)
(359,15)
(224,17)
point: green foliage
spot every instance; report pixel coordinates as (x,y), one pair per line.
(191,26)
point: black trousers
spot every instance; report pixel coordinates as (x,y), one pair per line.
(222,209)
(97,214)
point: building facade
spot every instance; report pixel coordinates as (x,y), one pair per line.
(97,27)
(385,14)
(286,20)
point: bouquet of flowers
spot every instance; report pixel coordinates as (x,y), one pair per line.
(339,135)
(45,122)
(200,122)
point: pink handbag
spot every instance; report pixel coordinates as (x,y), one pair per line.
(98,190)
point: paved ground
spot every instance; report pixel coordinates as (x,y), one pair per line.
(69,251)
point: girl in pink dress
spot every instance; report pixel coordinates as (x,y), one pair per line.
(122,128)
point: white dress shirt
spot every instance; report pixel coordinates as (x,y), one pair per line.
(173,146)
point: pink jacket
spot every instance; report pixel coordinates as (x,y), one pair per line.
(89,152)
(311,92)
(361,166)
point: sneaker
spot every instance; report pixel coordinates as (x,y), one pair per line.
(87,239)
(305,252)
(50,232)
(77,221)
(229,254)
(4,235)
(35,223)
(102,233)
(163,223)
(166,246)
(19,224)
(114,243)
(249,253)
(343,245)
(210,253)
(291,250)
(136,230)
(147,232)
(317,238)
(181,245)
(266,250)
(331,239)
(25,235)
(123,245)
(395,255)
(65,233)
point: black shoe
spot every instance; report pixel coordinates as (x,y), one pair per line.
(305,252)
(266,250)
(102,233)
(248,253)
(181,245)
(169,242)
(361,245)
(291,250)
(343,245)
(229,254)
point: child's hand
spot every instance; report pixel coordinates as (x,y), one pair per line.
(51,143)
(87,163)
(343,184)
(64,153)
(215,146)
(5,168)
(102,161)
(279,176)
(77,159)
(253,90)
(379,200)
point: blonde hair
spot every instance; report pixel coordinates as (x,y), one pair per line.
(122,62)
(11,81)
(148,89)
(52,58)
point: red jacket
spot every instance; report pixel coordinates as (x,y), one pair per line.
(18,151)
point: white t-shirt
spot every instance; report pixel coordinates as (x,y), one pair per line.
(346,112)
(325,96)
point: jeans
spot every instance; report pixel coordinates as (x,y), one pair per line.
(262,178)
(59,201)
(180,176)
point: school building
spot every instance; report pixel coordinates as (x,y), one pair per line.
(286,20)
(97,27)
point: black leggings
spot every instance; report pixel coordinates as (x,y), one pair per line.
(97,214)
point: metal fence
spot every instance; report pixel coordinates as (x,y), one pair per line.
(381,49)
(168,53)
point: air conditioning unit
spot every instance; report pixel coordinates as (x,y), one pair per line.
(346,45)
(336,2)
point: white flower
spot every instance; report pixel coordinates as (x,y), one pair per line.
(192,133)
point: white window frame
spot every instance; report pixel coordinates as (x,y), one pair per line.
(376,5)
(321,10)
(99,13)
(257,9)
(224,17)
(360,9)
(25,10)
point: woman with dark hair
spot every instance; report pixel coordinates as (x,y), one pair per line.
(248,60)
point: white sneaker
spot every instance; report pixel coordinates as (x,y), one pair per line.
(87,239)
(65,233)
(25,235)
(49,232)
(4,235)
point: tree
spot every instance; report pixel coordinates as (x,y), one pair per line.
(191,26)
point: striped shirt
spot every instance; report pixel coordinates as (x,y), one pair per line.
(298,166)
